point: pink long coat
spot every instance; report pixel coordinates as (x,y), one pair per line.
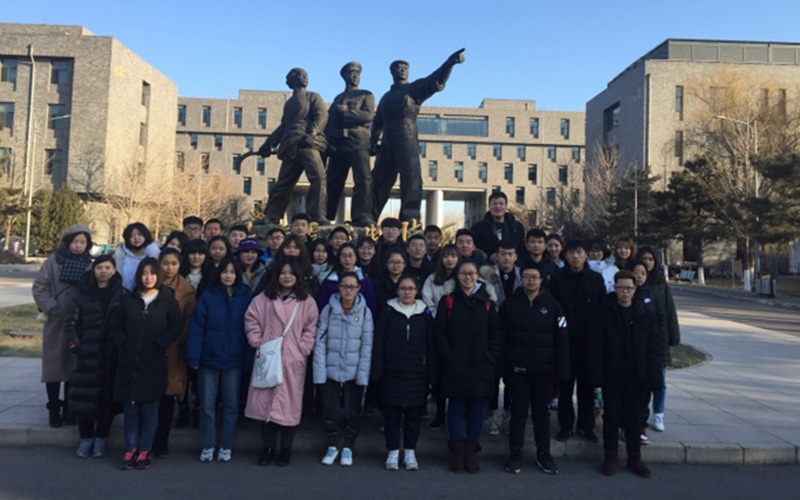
(265,320)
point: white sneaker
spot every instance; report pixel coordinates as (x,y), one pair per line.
(347,457)
(392,460)
(224,455)
(207,455)
(410,460)
(330,455)
(658,422)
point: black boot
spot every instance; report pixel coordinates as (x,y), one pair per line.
(457,456)
(610,463)
(636,465)
(54,408)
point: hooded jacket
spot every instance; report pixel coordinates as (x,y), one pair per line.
(343,349)
(216,333)
(127,262)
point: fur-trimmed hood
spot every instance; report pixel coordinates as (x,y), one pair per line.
(488,284)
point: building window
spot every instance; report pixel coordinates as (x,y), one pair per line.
(576,197)
(429,125)
(679,146)
(563,174)
(551,196)
(611,117)
(423,149)
(260,165)
(458,169)
(533,173)
(551,153)
(565,128)
(247,185)
(510,126)
(193,140)
(218,141)
(447,150)
(679,100)
(521,152)
(207,116)
(520,198)
(576,154)
(508,173)
(145,94)
(204,162)
(7,115)
(236,164)
(270,184)
(180,161)
(535,128)
(497,150)
(483,172)
(59,73)
(57,117)
(8,70)
(52,160)
(248,142)
(471,150)
(782,102)
(182,114)
(237,117)
(142,133)
(262,117)
(5,161)
(433,170)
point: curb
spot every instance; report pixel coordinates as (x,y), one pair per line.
(736,295)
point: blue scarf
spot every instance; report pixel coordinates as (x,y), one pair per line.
(73,267)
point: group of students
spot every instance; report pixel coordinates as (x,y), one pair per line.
(386,323)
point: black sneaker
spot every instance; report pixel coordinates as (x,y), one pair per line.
(564,434)
(545,462)
(142,461)
(128,460)
(437,422)
(588,435)
(267,456)
(514,462)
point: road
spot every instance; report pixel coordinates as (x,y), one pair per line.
(182,476)
(15,288)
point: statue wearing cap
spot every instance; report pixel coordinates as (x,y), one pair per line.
(347,133)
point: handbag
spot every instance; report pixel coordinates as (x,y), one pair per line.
(268,369)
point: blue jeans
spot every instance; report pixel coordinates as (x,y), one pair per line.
(210,381)
(455,418)
(659,397)
(139,424)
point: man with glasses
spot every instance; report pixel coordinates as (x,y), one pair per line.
(391,231)
(625,359)
(498,225)
(275,237)
(193,227)
(418,265)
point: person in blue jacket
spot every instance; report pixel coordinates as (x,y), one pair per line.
(216,349)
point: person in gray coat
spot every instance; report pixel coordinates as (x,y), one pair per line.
(54,288)
(342,357)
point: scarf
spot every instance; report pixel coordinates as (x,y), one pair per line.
(73,267)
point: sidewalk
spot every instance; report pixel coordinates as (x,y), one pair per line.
(792,303)
(740,407)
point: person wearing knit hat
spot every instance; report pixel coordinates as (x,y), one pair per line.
(253,268)
(54,288)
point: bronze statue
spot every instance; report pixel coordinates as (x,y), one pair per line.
(348,146)
(300,142)
(395,125)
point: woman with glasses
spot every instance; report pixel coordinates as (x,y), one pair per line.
(346,263)
(386,285)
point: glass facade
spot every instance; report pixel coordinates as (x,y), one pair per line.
(453,126)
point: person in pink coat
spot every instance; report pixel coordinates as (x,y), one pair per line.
(279,408)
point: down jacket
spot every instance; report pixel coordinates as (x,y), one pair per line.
(216,332)
(404,354)
(343,350)
(176,353)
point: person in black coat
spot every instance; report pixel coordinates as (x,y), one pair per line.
(581,292)
(537,256)
(88,330)
(625,359)
(535,354)
(498,225)
(150,321)
(469,346)
(403,368)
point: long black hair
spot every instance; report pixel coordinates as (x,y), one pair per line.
(195,246)
(273,287)
(223,264)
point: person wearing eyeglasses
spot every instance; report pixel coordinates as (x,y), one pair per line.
(386,284)
(625,359)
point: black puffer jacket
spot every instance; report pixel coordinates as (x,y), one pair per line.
(581,295)
(535,336)
(143,335)
(468,343)
(486,237)
(88,329)
(404,354)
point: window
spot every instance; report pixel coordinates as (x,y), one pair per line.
(510,126)
(52,160)
(497,150)
(576,154)
(508,173)
(565,128)
(218,141)
(207,116)
(458,169)
(679,100)
(423,149)
(142,133)
(679,146)
(551,196)
(533,173)
(182,114)
(59,73)
(433,170)
(563,174)
(145,94)
(483,172)
(247,185)
(236,164)
(8,70)
(193,140)
(237,117)
(782,102)
(5,160)
(57,117)
(270,184)
(535,128)
(611,117)
(520,197)
(521,152)
(248,142)
(262,117)
(7,115)
(471,150)
(447,150)
(180,161)
(453,126)
(551,153)
(576,197)
(204,162)
(260,165)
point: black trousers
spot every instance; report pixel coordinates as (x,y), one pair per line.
(529,392)
(622,407)
(166,410)
(341,410)
(269,435)
(409,418)
(307,160)
(338,167)
(90,429)
(566,412)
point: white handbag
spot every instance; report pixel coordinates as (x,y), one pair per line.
(268,369)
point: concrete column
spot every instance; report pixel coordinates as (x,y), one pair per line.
(433,208)
(340,211)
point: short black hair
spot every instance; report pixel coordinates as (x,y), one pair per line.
(465,232)
(391,222)
(128,232)
(276,229)
(417,236)
(67,240)
(183,240)
(215,221)
(224,240)
(155,267)
(239,227)
(350,274)
(364,239)
(273,287)
(432,228)
(507,244)
(574,244)
(339,229)
(301,216)
(237,268)
(192,219)
(498,194)
(535,233)
(170,251)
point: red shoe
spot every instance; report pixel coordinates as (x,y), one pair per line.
(143,460)
(128,460)
(643,437)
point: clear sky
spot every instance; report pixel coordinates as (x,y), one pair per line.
(559,53)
